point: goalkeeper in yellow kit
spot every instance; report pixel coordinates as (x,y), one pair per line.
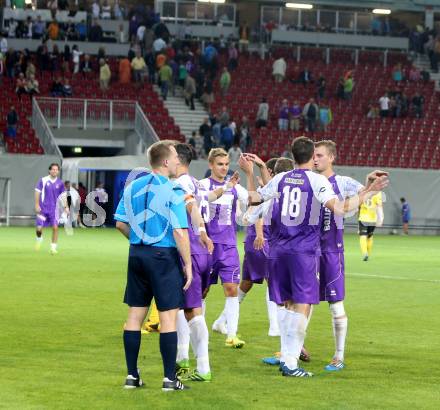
(370,216)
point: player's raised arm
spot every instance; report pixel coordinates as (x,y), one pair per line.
(217,193)
(265,174)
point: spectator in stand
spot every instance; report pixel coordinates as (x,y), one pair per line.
(124,71)
(32,86)
(96,9)
(325,117)
(67,88)
(244,134)
(283,118)
(373,111)
(340,88)
(244,33)
(106,12)
(227,137)
(397,74)
(54,58)
(182,74)
(95,34)
(159,45)
(21,86)
(262,114)
(321,85)
(417,103)
(30,70)
(86,65)
(104,75)
(67,56)
(205,131)
(38,29)
(70,32)
(121,34)
(12,29)
(305,77)
(348,87)
(117,11)
(295,116)
(224,117)
(56,90)
(53,30)
(208,94)
(12,123)
(190,91)
(161,31)
(76,55)
(139,68)
(279,68)
(3,44)
(101,53)
(414,74)
(384,103)
(225,82)
(28,28)
(166,78)
(232,57)
(234,155)
(81,29)
(311,115)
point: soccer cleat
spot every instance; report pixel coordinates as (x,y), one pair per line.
(234,342)
(298,372)
(182,367)
(365,258)
(220,327)
(37,245)
(133,382)
(272,361)
(335,365)
(304,355)
(173,385)
(196,376)
(53,251)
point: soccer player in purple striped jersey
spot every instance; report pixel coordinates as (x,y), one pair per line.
(295,241)
(191,324)
(331,265)
(222,230)
(49,190)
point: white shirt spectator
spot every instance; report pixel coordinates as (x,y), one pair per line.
(3,45)
(159,45)
(263,111)
(384,103)
(122,36)
(234,154)
(76,55)
(117,12)
(12,29)
(279,67)
(106,12)
(29,27)
(140,32)
(96,10)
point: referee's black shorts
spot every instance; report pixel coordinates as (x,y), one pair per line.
(366,230)
(154,272)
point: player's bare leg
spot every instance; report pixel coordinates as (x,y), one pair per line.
(39,238)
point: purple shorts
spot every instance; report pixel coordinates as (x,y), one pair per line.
(294,277)
(226,264)
(255,266)
(201,268)
(332,277)
(46,219)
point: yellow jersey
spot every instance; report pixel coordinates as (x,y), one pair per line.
(368,209)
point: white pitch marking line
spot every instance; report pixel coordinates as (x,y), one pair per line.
(366,275)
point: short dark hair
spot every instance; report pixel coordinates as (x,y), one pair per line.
(270,164)
(402,200)
(54,164)
(159,151)
(185,153)
(284,164)
(302,149)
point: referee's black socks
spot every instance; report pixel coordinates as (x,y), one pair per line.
(168,350)
(132,344)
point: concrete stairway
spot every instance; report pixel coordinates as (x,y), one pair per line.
(187,120)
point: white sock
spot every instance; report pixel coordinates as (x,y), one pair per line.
(272,313)
(281,315)
(295,334)
(39,239)
(222,317)
(203,307)
(241,295)
(199,340)
(232,309)
(340,333)
(182,337)
(53,246)
(309,317)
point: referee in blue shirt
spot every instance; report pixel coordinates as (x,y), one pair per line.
(152,215)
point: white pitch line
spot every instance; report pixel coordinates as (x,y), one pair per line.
(366,275)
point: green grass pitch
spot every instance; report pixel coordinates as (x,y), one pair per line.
(61,323)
